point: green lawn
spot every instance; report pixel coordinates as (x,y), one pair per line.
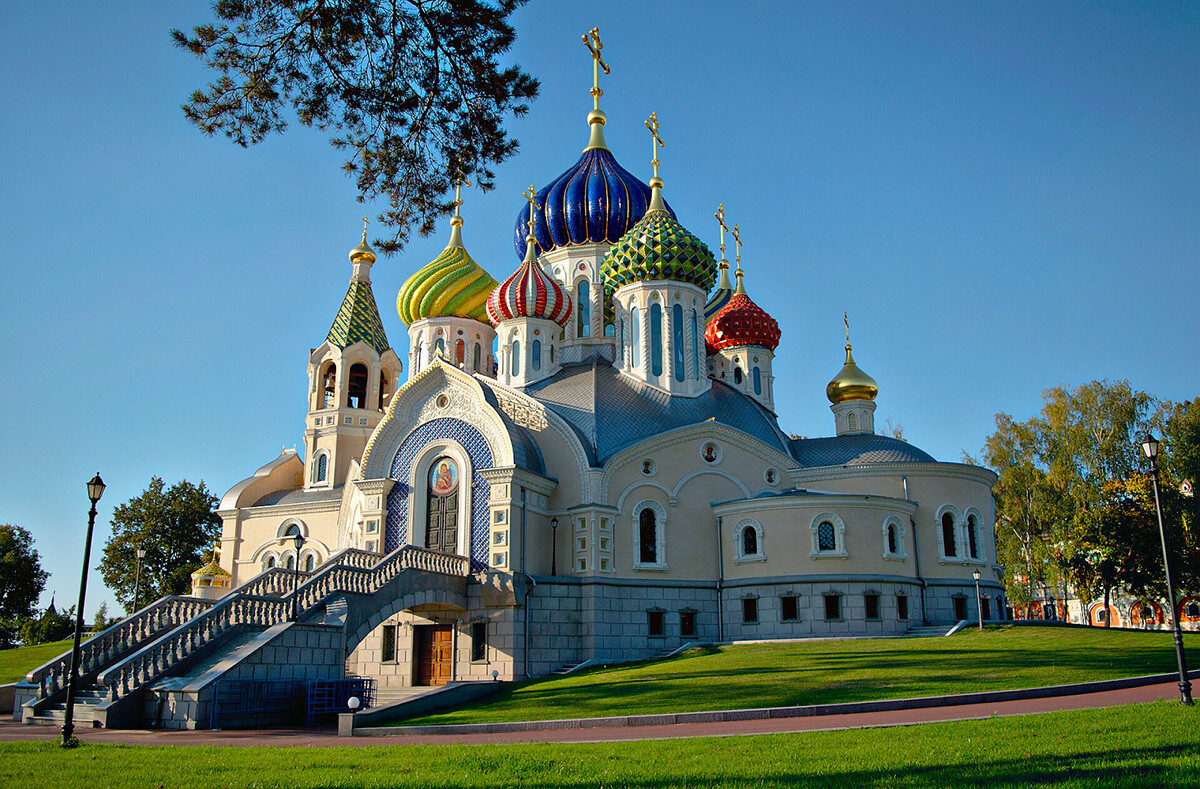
(16,663)
(1147,745)
(821,672)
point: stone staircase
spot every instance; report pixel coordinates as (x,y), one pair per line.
(929,631)
(177,634)
(54,713)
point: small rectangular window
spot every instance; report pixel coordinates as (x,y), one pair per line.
(372,527)
(960,608)
(654,622)
(604,564)
(871,604)
(387,651)
(499,559)
(604,543)
(500,538)
(789,608)
(749,610)
(479,641)
(687,623)
(582,563)
(833,606)
(986,604)
(581,524)
(583,543)
(604,524)
(901,606)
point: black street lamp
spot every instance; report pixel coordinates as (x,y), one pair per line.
(137,579)
(978,599)
(298,542)
(554,546)
(1150,447)
(95,489)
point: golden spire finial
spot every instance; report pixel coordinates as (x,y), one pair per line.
(720,215)
(596,117)
(362,256)
(846,320)
(737,239)
(530,195)
(365,221)
(460,181)
(653,125)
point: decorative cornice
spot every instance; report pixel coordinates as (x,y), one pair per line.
(816,501)
(513,475)
(962,471)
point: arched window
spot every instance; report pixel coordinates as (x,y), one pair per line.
(439,346)
(385,390)
(583,315)
(695,347)
(648,536)
(949,544)
(621,342)
(737,375)
(291,563)
(270,563)
(972,538)
(749,541)
(329,387)
(551,350)
(310,562)
(893,546)
(677,341)
(826,537)
(656,340)
(610,330)
(757,381)
(460,352)
(635,339)
(851,421)
(357,389)
(537,355)
(516,357)
(321,467)
(475,360)
(1192,610)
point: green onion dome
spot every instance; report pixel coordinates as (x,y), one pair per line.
(451,285)
(659,248)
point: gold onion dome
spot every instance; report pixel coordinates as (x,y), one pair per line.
(211,570)
(363,252)
(851,383)
(451,285)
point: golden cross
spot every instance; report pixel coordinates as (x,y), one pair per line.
(737,237)
(459,182)
(594,46)
(531,197)
(720,215)
(365,220)
(846,320)
(653,125)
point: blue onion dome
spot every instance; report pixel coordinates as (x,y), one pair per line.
(594,202)
(658,248)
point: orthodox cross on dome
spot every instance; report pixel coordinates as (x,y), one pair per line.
(737,240)
(531,197)
(365,221)
(720,215)
(460,181)
(653,125)
(846,320)
(594,46)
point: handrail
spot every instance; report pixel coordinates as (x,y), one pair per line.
(117,640)
(154,660)
(277,581)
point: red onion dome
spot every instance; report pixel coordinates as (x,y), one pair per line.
(529,293)
(742,322)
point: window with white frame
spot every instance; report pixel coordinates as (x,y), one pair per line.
(649,536)
(893,538)
(748,541)
(948,522)
(972,527)
(828,536)
(320,467)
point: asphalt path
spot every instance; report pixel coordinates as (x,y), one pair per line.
(309,738)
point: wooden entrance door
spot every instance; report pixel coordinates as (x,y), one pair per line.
(441,530)
(435,654)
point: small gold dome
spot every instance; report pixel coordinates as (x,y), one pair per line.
(851,383)
(362,253)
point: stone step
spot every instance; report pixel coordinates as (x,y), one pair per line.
(57,720)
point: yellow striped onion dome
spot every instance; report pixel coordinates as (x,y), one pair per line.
(451,285)
(659,248)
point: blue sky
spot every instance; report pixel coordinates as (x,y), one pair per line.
(1004,197)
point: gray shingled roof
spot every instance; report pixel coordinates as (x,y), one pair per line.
(610,412)
(299,496)
(856,449)
(526,453)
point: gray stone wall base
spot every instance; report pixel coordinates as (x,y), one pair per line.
(452,695)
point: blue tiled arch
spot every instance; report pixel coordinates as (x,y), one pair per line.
(396,528)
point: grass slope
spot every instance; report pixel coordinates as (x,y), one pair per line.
(821,672)
(1147,745)
(16,663)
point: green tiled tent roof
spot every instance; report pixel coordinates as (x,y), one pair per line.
(358,319)
(658,247)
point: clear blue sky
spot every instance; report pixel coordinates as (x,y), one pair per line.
(1004,198)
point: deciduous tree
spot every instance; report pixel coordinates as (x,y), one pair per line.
(412,90)
(22,580)
(175,525)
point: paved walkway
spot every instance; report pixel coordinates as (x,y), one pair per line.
(10,731)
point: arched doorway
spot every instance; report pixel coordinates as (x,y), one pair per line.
(441,524)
